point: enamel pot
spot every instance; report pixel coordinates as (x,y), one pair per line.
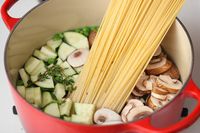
(35,28)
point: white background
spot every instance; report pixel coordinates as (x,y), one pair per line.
(9,123)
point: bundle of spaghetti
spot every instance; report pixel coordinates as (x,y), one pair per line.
(129,35)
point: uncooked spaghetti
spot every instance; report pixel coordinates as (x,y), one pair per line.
(129,35)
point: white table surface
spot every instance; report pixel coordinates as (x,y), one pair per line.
(9,123)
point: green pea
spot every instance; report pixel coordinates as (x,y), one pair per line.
(77,30)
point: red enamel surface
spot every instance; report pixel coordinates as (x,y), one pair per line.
(35,121)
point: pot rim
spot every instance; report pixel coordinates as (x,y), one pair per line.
(13,86)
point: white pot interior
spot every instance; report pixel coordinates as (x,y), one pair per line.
(59,15)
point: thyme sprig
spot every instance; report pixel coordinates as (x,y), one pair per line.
(58,75)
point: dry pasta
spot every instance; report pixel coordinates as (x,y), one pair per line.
(129,35)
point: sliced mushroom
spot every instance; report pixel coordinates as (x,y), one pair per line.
(125,111)
(150,82)
(105,115)
(158,66)
(173,72)
(158,52)
(131,97)
(153,103)
(92,37)
(159,96)
(133,103)
(171,96)
(160,91)
(166,82)
(138,113)
(140,86)
(136,93)
(78,57)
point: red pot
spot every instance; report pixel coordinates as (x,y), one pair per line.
(29,32)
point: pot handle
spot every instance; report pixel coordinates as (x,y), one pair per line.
(8,20)
(191,91)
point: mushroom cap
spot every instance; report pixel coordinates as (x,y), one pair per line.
(78,57)
(173,72)
(166,82)
(158,66)
(138,113)
(92,37)
(105,115)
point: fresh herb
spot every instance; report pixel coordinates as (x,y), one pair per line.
(58,36)
(57,73)
(20,83)
(30,83)
(51,61)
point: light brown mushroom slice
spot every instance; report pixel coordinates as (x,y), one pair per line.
(139,113)
(163,103)
(135,102)
(125,111)
(166,82)
(159,96)
(171,96)
(150,82)
(153,103)
(91,37)
(158,51)
(137,94)
(158,66)
(140,86)
(160,91)
(173,72)
(104,115)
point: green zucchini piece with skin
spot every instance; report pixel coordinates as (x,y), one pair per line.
(34,96)
(22,91)
(68,70)
(52,109)
(81,119)
(24,76)
(65,108)
(59,91)
(54,44)
(48,52)
(40,68)
(67,118)
(46,98)
(75,77)
(78,69)
(64,51)
(47,83)
(31,64)
(76,40)
(84,109)
(34,78)
(40,55)
(59,61)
